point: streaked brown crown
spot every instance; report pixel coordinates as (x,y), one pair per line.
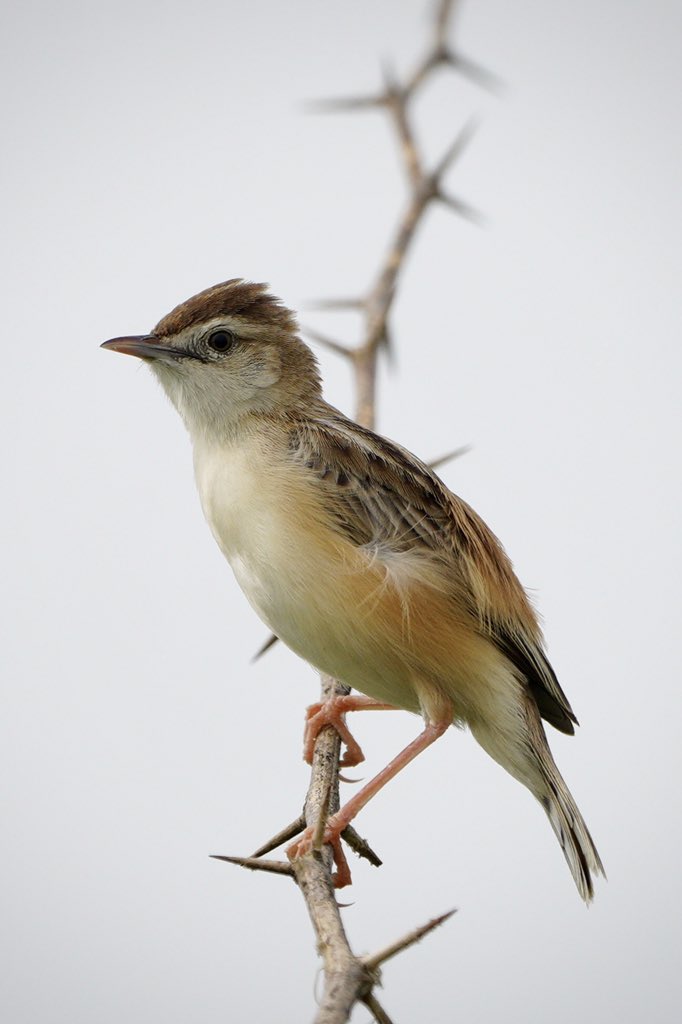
(230,298)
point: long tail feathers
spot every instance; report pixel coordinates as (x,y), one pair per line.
(571,831)
(517,742)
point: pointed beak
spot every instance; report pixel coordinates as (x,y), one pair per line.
(144,346)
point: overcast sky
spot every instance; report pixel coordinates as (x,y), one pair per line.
(153,149)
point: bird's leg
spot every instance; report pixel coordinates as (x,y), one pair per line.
(332,712)
(336,824)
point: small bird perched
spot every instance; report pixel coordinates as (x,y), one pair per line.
(357,556)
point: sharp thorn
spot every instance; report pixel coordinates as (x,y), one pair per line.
(443,16)
(283,836)
(360,846)
(264,648)
(461,208)
(456,453)
(321,823)
(391,84)
(385,341)
(274,867)
(345,104)
(329,343)
(334,304)
(456,149)
(377,959)
(375,1008)
(475,72)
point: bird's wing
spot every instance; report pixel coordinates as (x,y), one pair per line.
(380,495)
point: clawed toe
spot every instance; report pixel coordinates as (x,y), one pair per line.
(342,876)
(331,712)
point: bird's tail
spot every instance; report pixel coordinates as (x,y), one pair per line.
(570,828)
(519,744)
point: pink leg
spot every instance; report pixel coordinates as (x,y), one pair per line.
(345,815)
(332,712)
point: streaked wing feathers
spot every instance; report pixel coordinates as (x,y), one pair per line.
(380,494)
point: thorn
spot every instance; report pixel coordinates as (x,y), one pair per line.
(443,15)
(270,642)
(373,1005)
(326,342)
(343,104)
(456,453)
(360,846)
(351,782)
(386,343)
(461,208)
(275,867)
(455,150)
(421,73)
(321,823)
(283,836)
(332,304)
(475,72)
(377,959)
(393,92)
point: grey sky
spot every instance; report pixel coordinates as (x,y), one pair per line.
(152,150)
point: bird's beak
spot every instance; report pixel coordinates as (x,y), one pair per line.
(144,346)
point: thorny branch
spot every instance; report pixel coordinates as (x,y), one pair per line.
(349,979)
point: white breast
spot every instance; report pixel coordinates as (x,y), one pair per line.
(244,497)
(229,479)
(265,521)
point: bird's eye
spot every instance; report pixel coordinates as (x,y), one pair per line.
(221,341)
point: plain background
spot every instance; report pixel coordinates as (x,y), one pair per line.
(153,149)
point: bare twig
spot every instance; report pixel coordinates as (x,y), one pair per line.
(345,976)
(424,188)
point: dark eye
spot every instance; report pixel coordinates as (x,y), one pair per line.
(221,341)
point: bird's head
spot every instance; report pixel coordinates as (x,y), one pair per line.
(228,352)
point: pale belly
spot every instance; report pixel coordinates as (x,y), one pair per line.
(309,587)
(307,617)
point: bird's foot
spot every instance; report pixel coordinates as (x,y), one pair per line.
(332,836)
(332,712)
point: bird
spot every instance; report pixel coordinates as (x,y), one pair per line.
(358,557)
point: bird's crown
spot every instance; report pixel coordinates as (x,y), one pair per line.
(234,298)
